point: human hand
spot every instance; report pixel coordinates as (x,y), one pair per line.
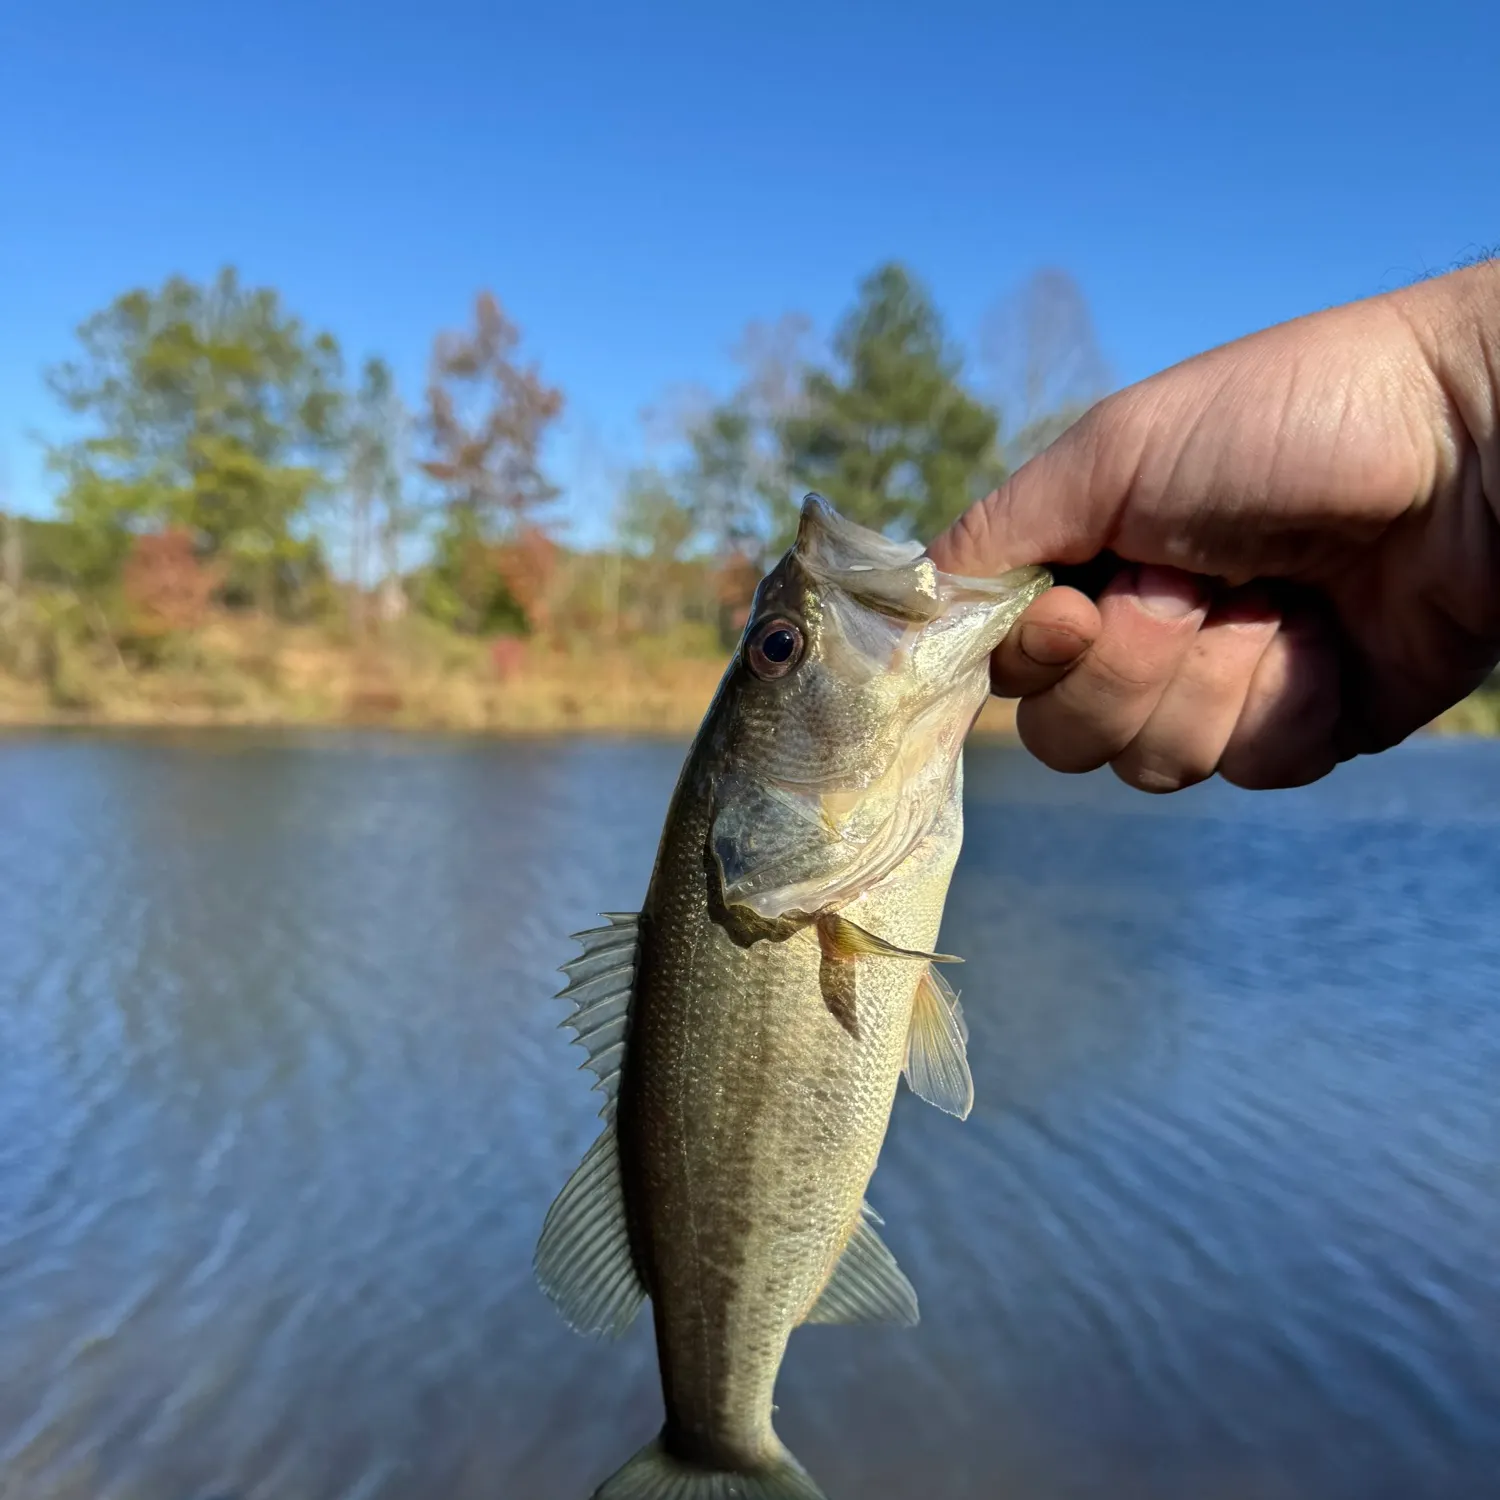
(1307,520)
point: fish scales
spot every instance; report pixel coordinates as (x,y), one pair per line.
(750,1123)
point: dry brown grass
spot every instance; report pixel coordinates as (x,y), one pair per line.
(246,672)
(239,671)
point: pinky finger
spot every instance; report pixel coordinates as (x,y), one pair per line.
(1285,735)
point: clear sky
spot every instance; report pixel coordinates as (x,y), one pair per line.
(636,181)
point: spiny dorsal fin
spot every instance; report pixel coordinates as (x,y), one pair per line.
(867,1286)
(600,983)
(937,1062)
(583,1258)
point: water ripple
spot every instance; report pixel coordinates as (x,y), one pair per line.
(282,1102)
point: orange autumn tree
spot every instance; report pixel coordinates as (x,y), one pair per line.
(487,416)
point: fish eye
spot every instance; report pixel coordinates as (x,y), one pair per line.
(774,649)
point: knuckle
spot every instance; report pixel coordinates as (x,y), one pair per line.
(1160,776)
(1058,740)
(1115,677)
(1013,674)
(970,536)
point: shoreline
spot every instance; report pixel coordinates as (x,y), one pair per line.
(996,724)
(417,678)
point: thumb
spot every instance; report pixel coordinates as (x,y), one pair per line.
(1058,508)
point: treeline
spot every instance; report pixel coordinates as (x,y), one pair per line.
(229,457)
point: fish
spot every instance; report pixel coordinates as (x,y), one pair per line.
(750,1024)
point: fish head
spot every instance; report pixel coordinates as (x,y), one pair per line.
(860,672)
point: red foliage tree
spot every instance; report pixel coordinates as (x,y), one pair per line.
(486,417)
(167,588)
(527,565)
(735,580)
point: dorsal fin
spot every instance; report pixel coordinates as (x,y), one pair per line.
(601,981)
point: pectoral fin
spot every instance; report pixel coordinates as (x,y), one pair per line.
(937,1062)
(844,940)
(867,1286)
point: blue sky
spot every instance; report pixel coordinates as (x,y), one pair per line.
(635,182)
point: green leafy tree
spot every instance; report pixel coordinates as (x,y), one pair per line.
(725,483)
(211,408)
(658,527)
(890,435)
(731,475)
(653,520)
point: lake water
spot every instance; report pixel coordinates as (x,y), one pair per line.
(283,1101)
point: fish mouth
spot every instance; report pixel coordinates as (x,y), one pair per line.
(797,833)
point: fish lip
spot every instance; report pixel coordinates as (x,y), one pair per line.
(821,527)
(1013,593)
(821,522)
(1013,580)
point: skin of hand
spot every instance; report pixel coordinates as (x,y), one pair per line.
(1306,528)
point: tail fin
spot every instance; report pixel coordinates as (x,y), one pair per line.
(653,1474)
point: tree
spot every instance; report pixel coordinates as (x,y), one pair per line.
(486,418)
(213,409)
(376,453)
(653,521)
(891,436)
(12,548)
(12,553)
(732,479)
(657,526)
(1042,355)
(723,483)
(167,589)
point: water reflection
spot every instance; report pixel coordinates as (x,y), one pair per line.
(282,1102)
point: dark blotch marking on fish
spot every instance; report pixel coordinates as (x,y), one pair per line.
(836,979)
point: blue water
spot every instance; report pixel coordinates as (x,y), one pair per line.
(282,1102)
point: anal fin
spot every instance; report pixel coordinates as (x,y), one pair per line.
(867,1286)
(937,1060)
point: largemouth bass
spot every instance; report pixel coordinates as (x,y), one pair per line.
(749,1026)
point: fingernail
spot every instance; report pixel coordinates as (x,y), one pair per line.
(1167,593)
(1048,646)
